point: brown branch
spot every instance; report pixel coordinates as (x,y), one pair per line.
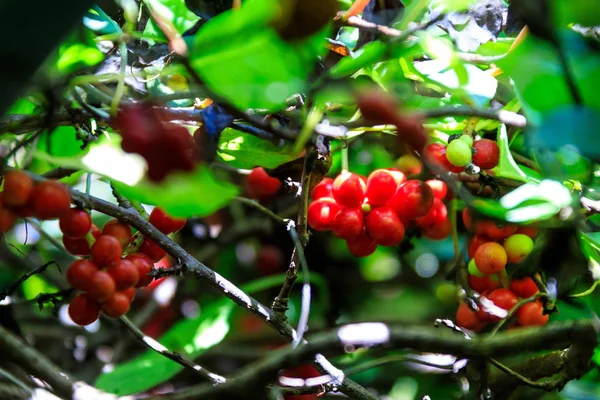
(367,26)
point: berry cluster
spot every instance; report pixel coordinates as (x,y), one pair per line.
(491,249)
(23,198)
(107,279)
(261,186)
(462,151)
(377,210)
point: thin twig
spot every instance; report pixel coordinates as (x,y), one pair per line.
(15,285)
(547,384)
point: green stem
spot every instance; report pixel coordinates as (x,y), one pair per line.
(345,164)
(121,84)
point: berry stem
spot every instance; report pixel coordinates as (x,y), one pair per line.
(345,164)
(513,311)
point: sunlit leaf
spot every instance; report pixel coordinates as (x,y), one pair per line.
(507,167)
(174,11)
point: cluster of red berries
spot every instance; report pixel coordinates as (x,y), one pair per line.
(462,151)
(23,198)
(261,186)
(107,279)
(377,210)
(491,249)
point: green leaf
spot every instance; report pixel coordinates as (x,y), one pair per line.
(245,151)
(189,337)
(243,59)
(507,167)
(62,142)
(535,201)
(174,11)
(583,12)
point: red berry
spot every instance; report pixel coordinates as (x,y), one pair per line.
(398,176)
(491,258)
(270,260)
(378,107)
(435,153)
(152,250)
(83,310)
(129,292)
(80,273)
(348,223)
(80,246)
(530,231)
(50,200)
(75,223)
(106,250)
(102,286)
(165,223)
(412,200)
(124,273)
(119,230)
(532,314)
(483,284)
(476,242)
(18,188)
(493,231)
(435,216)
(362,246)
(467,219)
(303,372)
(7,217)
(504,299)
(487,154)
(467,318)
(321,213)
(381,186)
(261,185)
(117,305)
(349,190)
(323,189)
(439,188)
(385,227)
(524,288)
(439,231)
(144,266)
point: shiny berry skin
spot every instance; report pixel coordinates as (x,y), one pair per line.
(532,314)
(102,286)
(439,231)
(493,231)
(439,188)
(458,153)
(467,139)
(80,246)
(18,188)
(412,200)
(362,246)
(129,292)
(119,230)
(381,186)
(490,258)
(530,231)
(385,227)
(152,250)
(106,250)
(435,216)
(83,310)
(165,223)
(487,154)
(476,242)
(116,306)
(80,273)
(144,266)
(349,190)
(50,200)
(503,298)
(7,217)
(518,247)
(484,284)
(321,213)
(303,372)
(322,189)
(75,223)
(468,319)
(435,153)
(524,288)
(348,223)
(261,185)
(124,273)
(467,219)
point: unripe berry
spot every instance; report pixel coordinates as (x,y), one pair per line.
(435,153)
(119,230)
(261,185)
(476,242)
(409,165)
(80,273)
(532,314)
(117,305)
(435,216)
(473,270)
(362,246)
(381,186)
(323,189)
(467,319)
(439,188)
(80,246)
(467,139)
(75,223)
(349,190)
(152,250)
(439,231)
(385,227)
(458,153)
(83,310)
(50,200)
(18,188)
(490,258)
(518,247)
(106,250)
(102,286)
(165,223)
(348,223)
(487,154)
(144,266)
(412,200)
(321,213)
(124,273)
(524,288)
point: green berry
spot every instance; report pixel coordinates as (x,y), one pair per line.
(518,247)
(458,153)
(467,139)
(473,270)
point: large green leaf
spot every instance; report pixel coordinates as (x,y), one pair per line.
(243,59)
(189,337)
(174,11)
(507,167)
